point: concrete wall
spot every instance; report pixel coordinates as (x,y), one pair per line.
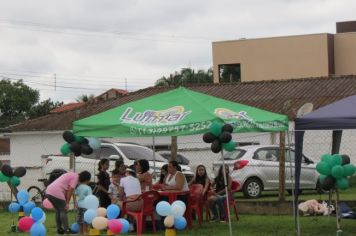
(345,53)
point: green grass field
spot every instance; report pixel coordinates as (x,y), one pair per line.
(250,225)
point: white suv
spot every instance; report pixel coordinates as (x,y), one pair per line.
(128,152)
(259,169)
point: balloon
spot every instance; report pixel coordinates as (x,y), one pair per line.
(28,207)
(47,204)
(337,171)
(22,197)
(68,136)
(230,146)
(89,215)
(15,181)
(101,211)
(20,171)
(115,226)
(74,147)
(323,168)
(335,160)
(25,223)
(3,178)
(100,222)
(345,159)
(7,170)
(180,222)
(328,183)
(349,169)
(215,128)
(225,137)
(94,143)
(326,158)
(113,211)
(180,203)
(209,137)
(79,139)
(216,146)
(38,229)
(43,219)
(125,225)
(14,207)
(37,213)
(342,183)
(91,202)
(227,128)
(86,149)
(75,228)
(65,149)
(169,221)
(163,208)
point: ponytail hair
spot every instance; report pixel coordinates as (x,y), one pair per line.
(102,162)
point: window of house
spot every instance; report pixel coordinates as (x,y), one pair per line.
(229,73)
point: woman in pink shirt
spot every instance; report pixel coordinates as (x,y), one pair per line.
(59,193)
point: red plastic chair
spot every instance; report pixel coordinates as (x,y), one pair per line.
(149,198)
(196,201)
(235,187)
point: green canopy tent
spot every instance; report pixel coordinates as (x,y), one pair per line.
(175,113)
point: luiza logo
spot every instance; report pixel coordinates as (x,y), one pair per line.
(169,116)
(227,114)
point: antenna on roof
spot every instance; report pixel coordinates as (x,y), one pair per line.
(305,109)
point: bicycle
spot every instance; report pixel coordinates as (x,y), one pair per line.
(36,194)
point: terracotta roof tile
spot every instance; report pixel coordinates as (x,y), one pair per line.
(67,107)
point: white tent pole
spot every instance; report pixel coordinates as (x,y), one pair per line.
(154,156)
(226,192)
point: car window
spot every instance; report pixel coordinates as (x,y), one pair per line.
(234,155)
(266,154)
(138,153)
(106,152)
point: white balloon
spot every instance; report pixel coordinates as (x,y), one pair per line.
(178,210)
(91,202)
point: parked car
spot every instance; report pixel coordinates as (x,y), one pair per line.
(181,159)
(259,169)
(128,152)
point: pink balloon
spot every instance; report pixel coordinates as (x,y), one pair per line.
(115,226)
(25,223)
(47,204)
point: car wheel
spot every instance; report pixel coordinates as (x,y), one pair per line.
(290,191)
(252,188)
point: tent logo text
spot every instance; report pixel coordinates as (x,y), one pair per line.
(227,114)
(169,116)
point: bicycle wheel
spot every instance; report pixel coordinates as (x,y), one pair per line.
(35,195)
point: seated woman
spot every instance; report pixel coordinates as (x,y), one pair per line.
(175,179)
(160,183)
(143,175)
(202,178)
(119,170)
(130,188)
(218,196)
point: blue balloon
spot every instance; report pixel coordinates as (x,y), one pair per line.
(94,143)
(22,197)
(180,222)
(113,211)
(89,215)
(163,208)
(28,207)
(125,225)
(75,228)
(91,202)
(14,207)
(38,229)
(36,214)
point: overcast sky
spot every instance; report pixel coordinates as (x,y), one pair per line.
(91,46)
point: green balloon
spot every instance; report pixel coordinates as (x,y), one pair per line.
(3,178)
(349,170)
(335,160)
(79,139)
(65,149)
(337,172)
(326,157)
(215,128)
(15,181)
(322,178)
(230,146)
(342,183)
(323,168)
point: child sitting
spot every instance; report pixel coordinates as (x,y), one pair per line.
(114,188)
(82,191)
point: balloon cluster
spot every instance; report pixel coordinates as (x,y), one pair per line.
(78,144)
(334,170)
(101,218)
(34,216)
(220,137)
(173,213)
(10,176)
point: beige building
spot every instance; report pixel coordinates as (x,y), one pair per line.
(300,56)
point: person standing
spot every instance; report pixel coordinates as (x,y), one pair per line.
(103,183)
(82,191)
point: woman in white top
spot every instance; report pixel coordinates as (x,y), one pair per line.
(175,180)
(130,188)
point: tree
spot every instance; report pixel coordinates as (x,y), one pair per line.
(16,100)
(43,108)
(85,98)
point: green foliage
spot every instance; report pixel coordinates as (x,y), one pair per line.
(185,77)
(43,108)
